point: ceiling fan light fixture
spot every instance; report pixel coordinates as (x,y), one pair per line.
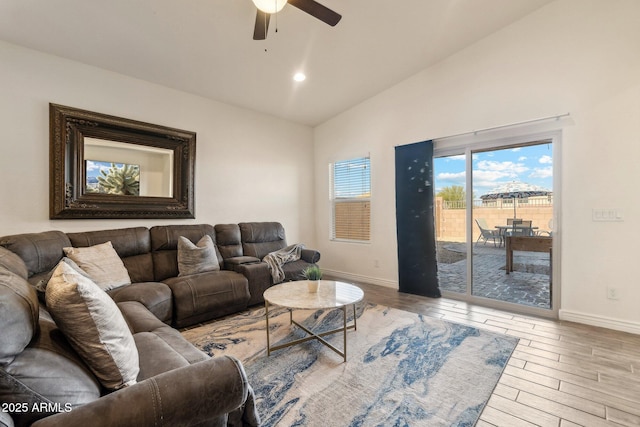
(270,6)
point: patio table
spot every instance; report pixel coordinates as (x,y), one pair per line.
(502,229)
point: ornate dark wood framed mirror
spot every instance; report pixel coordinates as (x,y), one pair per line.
(103,166)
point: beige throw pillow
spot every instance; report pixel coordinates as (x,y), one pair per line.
(198,258)
(93,324)
(102,263)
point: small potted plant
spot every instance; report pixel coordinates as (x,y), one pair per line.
(313,274)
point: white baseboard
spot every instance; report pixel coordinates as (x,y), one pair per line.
(361,278)
(601,321)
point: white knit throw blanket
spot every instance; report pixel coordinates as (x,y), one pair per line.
(275,260)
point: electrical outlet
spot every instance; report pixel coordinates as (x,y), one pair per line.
(612,293)
(376,263)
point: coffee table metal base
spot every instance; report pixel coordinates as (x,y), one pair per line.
(312,335)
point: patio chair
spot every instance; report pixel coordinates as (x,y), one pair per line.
(521,228)
(547,232)
(487,234)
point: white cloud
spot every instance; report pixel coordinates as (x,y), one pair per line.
(489,176)
(513,169)
(452,176)
(522,158)
(97,166)
(546,172)
(545,160)
(91,165)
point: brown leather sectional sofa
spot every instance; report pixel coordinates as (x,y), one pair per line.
(38,366)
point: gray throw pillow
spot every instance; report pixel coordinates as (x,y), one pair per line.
(102,264)
(95,327)
(198,258)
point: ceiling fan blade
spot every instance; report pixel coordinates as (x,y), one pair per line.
(262,25)
(317,10)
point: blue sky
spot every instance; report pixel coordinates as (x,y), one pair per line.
(94,167)
(531,165)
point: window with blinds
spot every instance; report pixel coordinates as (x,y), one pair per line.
(351,200)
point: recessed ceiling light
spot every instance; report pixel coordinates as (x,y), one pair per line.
(299,77)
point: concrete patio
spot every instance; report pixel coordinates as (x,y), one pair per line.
(528,284)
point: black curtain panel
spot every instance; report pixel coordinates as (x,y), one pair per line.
(417,266)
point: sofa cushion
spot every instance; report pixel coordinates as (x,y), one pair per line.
(205,296)
(35,376)
(12,262)
(102,264)
(261,238)
(18,314)
(161,348)
(198,258)
(140,267)
(94,326)
(228,240)
(39,251)
(155,296)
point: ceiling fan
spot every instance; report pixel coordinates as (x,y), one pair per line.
(268,7)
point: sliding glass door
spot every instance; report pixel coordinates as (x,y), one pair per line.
(494,224)
(451,222)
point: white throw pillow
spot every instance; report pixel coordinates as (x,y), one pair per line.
(95,327)
(102,263)
(198,258)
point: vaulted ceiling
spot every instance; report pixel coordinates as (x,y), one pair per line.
(205,47)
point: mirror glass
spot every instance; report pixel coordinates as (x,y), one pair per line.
(127,169)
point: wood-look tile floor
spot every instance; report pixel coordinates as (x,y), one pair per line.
(561,373)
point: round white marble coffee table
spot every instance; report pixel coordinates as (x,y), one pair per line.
(330,295)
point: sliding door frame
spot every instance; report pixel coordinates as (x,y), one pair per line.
(499,139)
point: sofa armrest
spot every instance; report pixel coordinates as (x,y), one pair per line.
(310,255)
(204,391)
(233,262)
(259,277)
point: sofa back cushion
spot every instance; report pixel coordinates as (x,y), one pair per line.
(133,245)
(229,240)
(18,313)
(12,262)
(261,238)
(40,252)
(164,246)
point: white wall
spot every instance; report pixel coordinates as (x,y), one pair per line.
(576,56)
(249,166)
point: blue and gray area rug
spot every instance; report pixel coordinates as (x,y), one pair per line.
(402,369)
